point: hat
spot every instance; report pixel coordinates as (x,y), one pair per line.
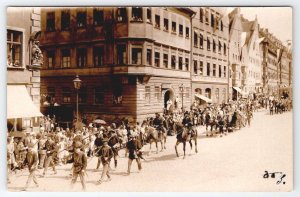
(42,129)
(27,132)
(78,144)
(33,134)
(105,140)
(113,125)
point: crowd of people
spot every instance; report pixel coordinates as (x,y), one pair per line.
(53,146)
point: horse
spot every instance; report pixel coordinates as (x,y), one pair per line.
(154,135)
(183,137)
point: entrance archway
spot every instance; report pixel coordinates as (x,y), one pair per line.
(169,95)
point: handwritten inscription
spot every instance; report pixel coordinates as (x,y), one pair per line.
(275,175)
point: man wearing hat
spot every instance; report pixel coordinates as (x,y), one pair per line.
(106,153)
(133,147)
(42,151)
(79,165)
(32,161)
(50,149)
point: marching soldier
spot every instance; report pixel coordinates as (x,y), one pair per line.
(106,153)
(79,165)
(32,161)
(133,147)
(50,149)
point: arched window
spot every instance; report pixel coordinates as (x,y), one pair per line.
(224,95)
(217,95)
(208,92)
(198,91)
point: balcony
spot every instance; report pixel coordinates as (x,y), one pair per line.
(209,79)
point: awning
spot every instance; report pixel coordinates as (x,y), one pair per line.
(238,89)
(208,100)
(19,103)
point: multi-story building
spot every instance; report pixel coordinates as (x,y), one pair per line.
(23,80)
(131,60)
(252,72)
(210,54)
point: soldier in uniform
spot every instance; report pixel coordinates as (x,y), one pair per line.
(32,161)
(106,153)
(50,149)
(133,147)
(42,151)
(79,165)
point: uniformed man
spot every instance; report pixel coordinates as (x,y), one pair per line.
(42,151)
(133,147)
(106,153)
(32,161)
(79,165)
(50,149)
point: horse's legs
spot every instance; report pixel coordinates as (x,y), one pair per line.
(176,148)
(162,144)
(156,146)
(195,139)
(165,141)
(184,143)
(191,145)
(116,161)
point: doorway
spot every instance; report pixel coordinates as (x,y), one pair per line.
(169,95)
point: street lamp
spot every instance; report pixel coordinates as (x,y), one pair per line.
(181,90)
(77,84)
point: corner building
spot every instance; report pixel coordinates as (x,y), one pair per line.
(210,54)
(131,60)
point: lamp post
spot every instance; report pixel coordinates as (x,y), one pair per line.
(181,90)
(77,84)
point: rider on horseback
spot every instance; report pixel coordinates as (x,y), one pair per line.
(158,123)
(188,122)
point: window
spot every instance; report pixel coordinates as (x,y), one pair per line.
(65,20)
(208,93)
(157,93)
(81,57)
(99,95)
(66,95)
(221,25)
(206,17)
(174,27)
(214,70)
(50,95)
(195,39)
(166,60)
(98,54)
(224,48)
(212,19)
(121,54)
(81,19)
(201,41)
(166,24)
(201,15)
(149,15)
(157,21)
(201,68)
(14,48)
(195,67)
(157,59)
(187,32)
(220,71)
(147,94)
(66,58)
(121,15)
(198,91)
(180,63)
(214,46)
(82,95)
(51,59)
(149,56)
(224,95)
(50,21)
(208,44)
(136,57)
(180,30)
(98,16)
(220,46)
(217,95)
(137,14)
(173,62)
(187,64)
(208,69)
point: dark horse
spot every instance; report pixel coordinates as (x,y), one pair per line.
(183,136)
(113,140)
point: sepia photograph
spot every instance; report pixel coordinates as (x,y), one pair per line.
(149,99)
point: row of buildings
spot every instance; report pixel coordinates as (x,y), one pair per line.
(135,61)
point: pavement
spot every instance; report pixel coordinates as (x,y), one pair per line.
(235,162)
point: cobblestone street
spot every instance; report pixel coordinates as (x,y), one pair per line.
(236,162)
